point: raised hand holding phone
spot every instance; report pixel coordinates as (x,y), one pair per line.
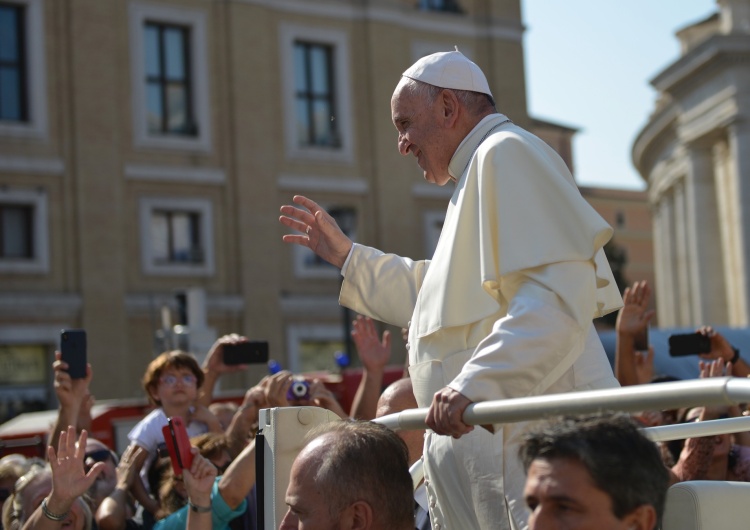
(682,344)
(73,352)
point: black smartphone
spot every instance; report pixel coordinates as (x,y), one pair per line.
(73,351)
(688,344)
(250,352)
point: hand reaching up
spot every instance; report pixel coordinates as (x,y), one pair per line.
(635,315)
(373,352)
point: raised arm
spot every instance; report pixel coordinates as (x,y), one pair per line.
(239,478)
(199,481)
(632,321)
(69,481)
(113,511)
(721,349)
(246,417)
(374,354)
(71,394)
(214,367)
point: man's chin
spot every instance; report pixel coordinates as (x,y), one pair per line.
(433,179)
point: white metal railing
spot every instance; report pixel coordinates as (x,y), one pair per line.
(653,396)
(664,433)
(637,398)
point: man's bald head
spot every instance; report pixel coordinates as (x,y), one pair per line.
(397,397)
(348,468)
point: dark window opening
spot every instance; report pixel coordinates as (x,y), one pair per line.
(169,98)
(16,231)
(314,95)
(450,6)
(13,98)
(176,237)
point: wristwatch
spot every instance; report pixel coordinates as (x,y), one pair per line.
(736,356)
(199,509)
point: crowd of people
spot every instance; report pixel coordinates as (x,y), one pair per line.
(504,309)
(84,484)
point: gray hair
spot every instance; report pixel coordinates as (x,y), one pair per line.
(475,102)
(365,461)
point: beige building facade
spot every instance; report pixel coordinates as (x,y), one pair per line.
(146,146)
(694,152)
(628,212)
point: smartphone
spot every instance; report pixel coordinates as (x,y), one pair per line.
(249,352)
(73,351)
(178,444)
(688,344)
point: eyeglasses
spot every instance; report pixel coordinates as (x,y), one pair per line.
(171,380)
(100,455)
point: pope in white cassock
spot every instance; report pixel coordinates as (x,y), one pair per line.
(504,308)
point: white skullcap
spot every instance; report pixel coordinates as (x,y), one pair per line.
(449,70)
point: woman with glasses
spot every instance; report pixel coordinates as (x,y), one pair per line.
(171,382)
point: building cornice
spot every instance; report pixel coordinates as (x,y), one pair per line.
(32,165)
(713,114)
(667,172)
(147,303)
(735,48)
(656,126)
(448,24)
(316,183)
(41,305)
(306,305)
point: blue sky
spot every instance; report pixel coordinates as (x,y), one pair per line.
(588,65)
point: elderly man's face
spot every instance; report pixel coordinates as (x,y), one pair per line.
(420,133)
(562,496)
(40,488)
(308,506)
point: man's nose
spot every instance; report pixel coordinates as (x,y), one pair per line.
(403,144)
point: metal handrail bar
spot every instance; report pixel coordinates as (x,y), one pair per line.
(682,431)
(662,433)
(637,398)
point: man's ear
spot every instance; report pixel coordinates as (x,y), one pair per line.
(642,518)
(450,107)
(357,516)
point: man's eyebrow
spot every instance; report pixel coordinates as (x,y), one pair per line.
(561,497)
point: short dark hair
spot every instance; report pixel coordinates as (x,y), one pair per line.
(366,461)
(170,359)
(622,462)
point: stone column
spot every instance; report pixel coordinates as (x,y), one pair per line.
(739,149)
(664,257)
(729,232)
(704,252)
(681,263)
